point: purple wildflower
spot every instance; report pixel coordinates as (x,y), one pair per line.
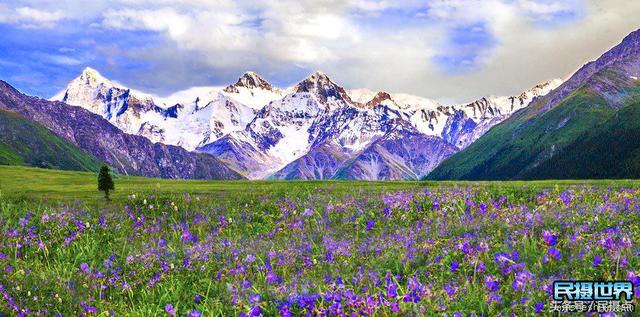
(634,278)
(84,267)
(285,311)
(395,307)
(566,198)
(255,311)
(255,298)
(273,278)
(494,298)
(596,261)
(307,212)
(88,308)
(370,224)
(170,310)
(454,266)
(555,253)
(250,258)
(483,208)
(550,237)
(187,236)
(492,283)
(392,290)
(521,281)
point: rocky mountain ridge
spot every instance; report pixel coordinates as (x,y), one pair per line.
(263,131)
(128,154)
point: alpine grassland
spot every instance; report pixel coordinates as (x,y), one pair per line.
(306,248)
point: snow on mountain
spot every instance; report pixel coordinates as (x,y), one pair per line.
(253,91)
(282,130)
(353,127)
(199,123)
(361,95)
(315,129)
(189,95)
(324,90)
(423,112)
(401,153)
(188,118)
(405,102)
(279,133)
(466,123)
(368,132)
(358,138)
(116,103)
(317,111)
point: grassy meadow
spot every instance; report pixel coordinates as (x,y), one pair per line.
(329,248)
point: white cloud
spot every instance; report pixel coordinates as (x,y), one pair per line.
(29,17)
(382,44)
(371,5)
(161,20)
(545,11)
(62,59)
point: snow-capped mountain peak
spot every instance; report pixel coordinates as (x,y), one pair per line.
(540,89)
(249,80)
(253,91)
(100,95)
(92,77)
(321,86)
(505,105)
(89,77)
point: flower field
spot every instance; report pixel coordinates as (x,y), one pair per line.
(466,251)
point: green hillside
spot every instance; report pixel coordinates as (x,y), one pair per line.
(24,142)
(516,148)
(611,150)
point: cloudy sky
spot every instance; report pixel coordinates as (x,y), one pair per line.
(452,51)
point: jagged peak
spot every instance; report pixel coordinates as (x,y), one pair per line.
(553,83)
(380,97)
(249,80)
(323,87)
(90,70)
(89,78)
(481,102)
(317,77)
(542,88)
(91,75)
(537,90)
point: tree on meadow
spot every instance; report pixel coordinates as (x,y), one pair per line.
(105,182)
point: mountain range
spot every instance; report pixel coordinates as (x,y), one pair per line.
(314,129)
(86,139)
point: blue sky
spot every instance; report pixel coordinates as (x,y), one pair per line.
(452,50)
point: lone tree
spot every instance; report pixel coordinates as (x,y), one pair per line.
(105,183)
